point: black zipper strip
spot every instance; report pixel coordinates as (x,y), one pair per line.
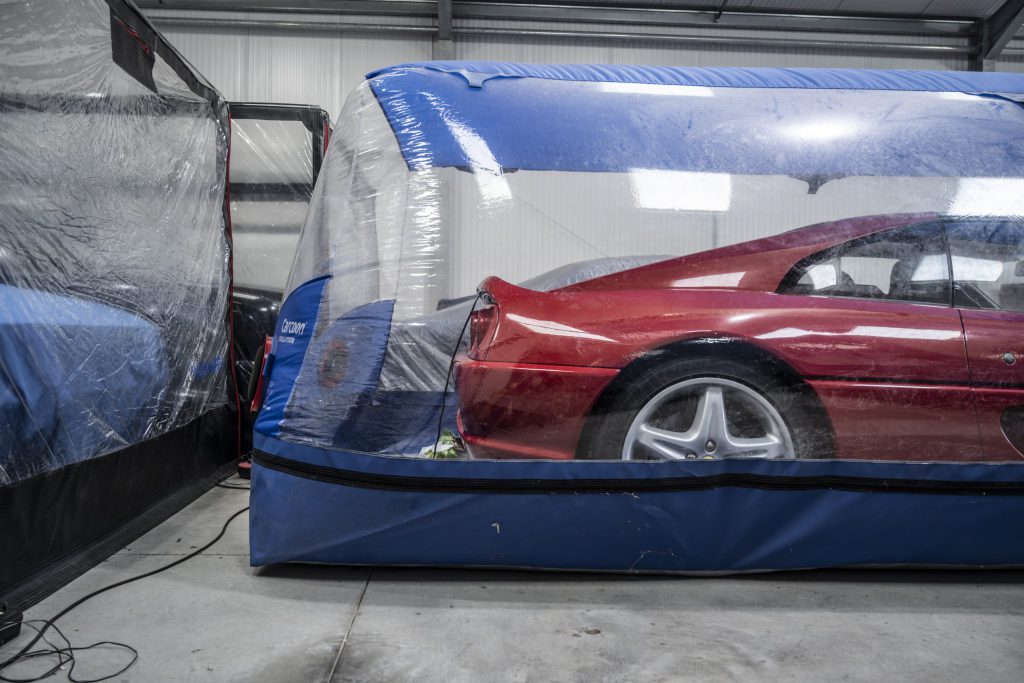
(392,482)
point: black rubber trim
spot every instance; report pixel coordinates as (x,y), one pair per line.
(132,18)
(314,119)
(333,475)
(57,525)
(273,192)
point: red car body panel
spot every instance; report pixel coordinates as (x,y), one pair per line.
(889,421)
(507,425)
(997,384)
(893,376)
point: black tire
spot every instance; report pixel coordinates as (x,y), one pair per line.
(254,377)
(606,428)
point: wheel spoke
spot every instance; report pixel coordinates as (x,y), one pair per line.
(709,423)
(667,444)
(762,447)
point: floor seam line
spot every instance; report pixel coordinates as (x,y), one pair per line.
(348,631)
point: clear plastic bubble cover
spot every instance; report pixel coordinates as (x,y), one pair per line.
(524,268)
(114,259)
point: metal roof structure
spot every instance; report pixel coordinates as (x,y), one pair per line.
(982,30)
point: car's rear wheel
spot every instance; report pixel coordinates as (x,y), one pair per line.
(707,407)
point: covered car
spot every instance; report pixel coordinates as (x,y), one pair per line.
(522,292)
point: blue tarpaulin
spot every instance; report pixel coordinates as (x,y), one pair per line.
(589,118)
(92,386)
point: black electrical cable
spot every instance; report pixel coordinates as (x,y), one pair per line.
(451,366)
(65,655)
(238,487)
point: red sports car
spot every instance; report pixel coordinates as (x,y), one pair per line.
(886,337)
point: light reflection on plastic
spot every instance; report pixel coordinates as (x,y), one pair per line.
(822,275)
(989,197)
(932,267)
(656,89)
(681,190)
(822,131)
(554,329)
(493,188)
(716,280)
(866,331)
(486,169)
(974,269)
(961,96)
(935,267)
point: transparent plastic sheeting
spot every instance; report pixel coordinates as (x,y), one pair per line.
(113,257)
(272,182)
(638,271)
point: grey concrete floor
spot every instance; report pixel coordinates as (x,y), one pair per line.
(214,618)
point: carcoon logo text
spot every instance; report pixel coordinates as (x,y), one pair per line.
(289,330)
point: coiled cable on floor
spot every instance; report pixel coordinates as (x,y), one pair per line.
(65,655)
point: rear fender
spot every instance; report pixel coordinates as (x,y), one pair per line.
(733,348)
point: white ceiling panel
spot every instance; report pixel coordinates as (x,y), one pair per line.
(952,8)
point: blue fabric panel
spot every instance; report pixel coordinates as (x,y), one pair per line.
(80,378)
(344,407)
(723,529)
(326,404)
(397,422)
(505,117)
(477,72)
(294,330)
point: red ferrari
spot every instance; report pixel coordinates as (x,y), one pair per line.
(886,337)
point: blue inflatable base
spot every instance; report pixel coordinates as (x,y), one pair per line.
(320,506)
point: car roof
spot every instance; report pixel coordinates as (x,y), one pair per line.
(759,264)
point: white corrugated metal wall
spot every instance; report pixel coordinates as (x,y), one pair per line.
(290,66)
(321,67)
(1016,64)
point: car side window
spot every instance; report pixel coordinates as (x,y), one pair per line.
(904,264)
(988,263)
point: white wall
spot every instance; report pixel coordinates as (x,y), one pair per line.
(288,66)
(565,50)
(1014,63)
(321,68)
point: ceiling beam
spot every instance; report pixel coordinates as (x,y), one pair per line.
(365,7)
(999,29)
(738,18)
(444,41)
(623,33)
(609,12)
